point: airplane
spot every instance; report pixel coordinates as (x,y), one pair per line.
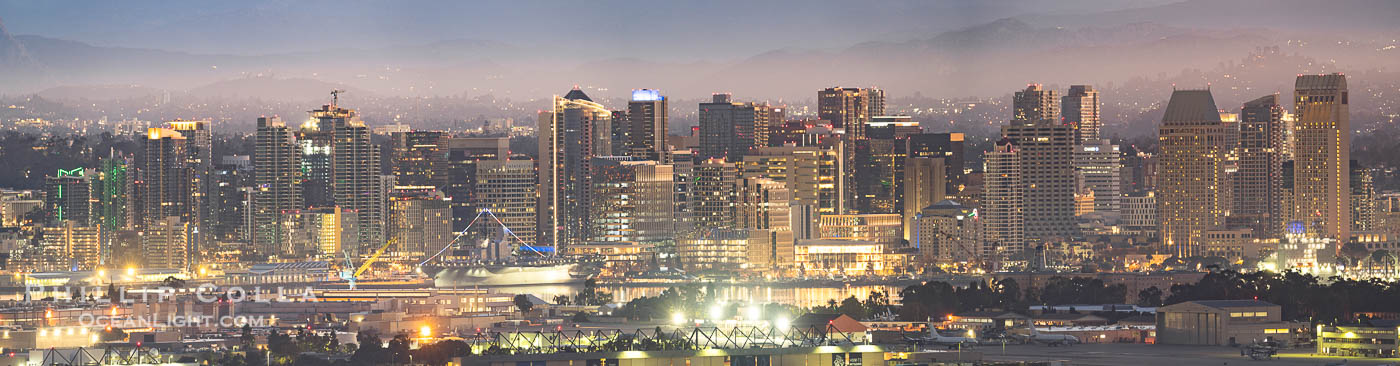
(1051,340)
(952,342)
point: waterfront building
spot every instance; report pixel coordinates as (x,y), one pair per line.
(647,117)
(1321,152)
(1080,110)
(68,197)
(507,188)
(1192,177)
(1256,186)
(571,134)
(728,130)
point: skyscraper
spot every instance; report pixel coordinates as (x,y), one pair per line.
(164,184)
(879,175)
(1191,172)
(1363,198)
(947,146)
(850,109)
(463,157)
(646,113)
(729,130)
(356,183)
(632,200)
(1004,198)
(276,182)
(112,190)
(199,157)
(420,222)
(1257,184)
(67,197)
(715,193)
(229,199)
(1035,106)
(1046,154)
(1322,137)
(419,158)
(507,188)
(567,145)
(924,184)
(1098,164)
(1080,109)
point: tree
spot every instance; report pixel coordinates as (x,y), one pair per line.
(523,303)
(852,308)
(1151,296)
(562,300)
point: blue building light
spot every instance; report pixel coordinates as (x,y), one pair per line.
(646,95)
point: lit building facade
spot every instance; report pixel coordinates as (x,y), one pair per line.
(1321,152)
(1192,172)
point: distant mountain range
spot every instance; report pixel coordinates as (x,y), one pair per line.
(983,60)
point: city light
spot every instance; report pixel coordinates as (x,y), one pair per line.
(677,318)
(425,331)
(754,312)
(782,323)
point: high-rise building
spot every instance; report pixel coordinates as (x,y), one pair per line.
(813,175)
(230,199)
(68,197)
(314,141)
(355,170)
(1080,109)
(420,222)
(463,158)
(631,201)
(1139,213)
(1363,198)
(165,243)
(508,188)
(923,186)
(1322,138)
(567,146)
(1191,175)
(892,127)
(1035,106)
(199,157)
(879,175)
(850,109)
(164,184)
(948,232)
(1257,184)
(883,229)
(1003,198)
(646,113)
(418,158)
(729,130)
(715,195)
(949,147)
(1046,155)
(764,212)
(321,232)
(71,246)
(1098,165)
(276,182)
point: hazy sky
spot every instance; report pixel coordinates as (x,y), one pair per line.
(653,29)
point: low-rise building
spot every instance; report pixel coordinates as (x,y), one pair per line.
(1224,322)
(1373,338)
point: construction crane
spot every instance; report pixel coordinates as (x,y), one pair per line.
(335,96)
(353,277)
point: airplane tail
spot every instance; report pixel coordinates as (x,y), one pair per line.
(933,332)
(1032,326)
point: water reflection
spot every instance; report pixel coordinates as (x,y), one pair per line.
(800,296)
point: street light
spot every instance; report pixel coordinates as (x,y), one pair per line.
(783,323)
(754,312)
(677,318)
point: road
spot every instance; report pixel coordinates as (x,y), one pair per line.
(1112,354)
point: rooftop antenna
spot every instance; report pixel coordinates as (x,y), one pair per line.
(335,96)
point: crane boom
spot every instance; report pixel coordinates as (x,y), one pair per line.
(377,253)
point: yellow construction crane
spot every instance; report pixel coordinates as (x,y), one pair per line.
(353,277)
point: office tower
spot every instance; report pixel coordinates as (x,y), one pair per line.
(879,175)
(72,246)
(883,229)
(566,141)
(463,156)
(418,158)
(1286,199)
(923,186)
(1003,198)
(420,222)
(507,188)
(314,140)
(113,185)
(355,169)
(947,233)
(1080,109)
(1098,165)
(276,182)
(165,243)
(646,114)
(1257,183)
(764,212)
(892,127)
(713,250)
(1046,153)
(729,130)
(813,175)
(621,137)
(850,109)
(1363,198)
(947,146)
(1322,137)
(631,200)
(68,197)
(1192,172)
(1035,106)
(320,232)
(1139,213)
(715,193)
(164,185)
(230,199)
(683,171)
